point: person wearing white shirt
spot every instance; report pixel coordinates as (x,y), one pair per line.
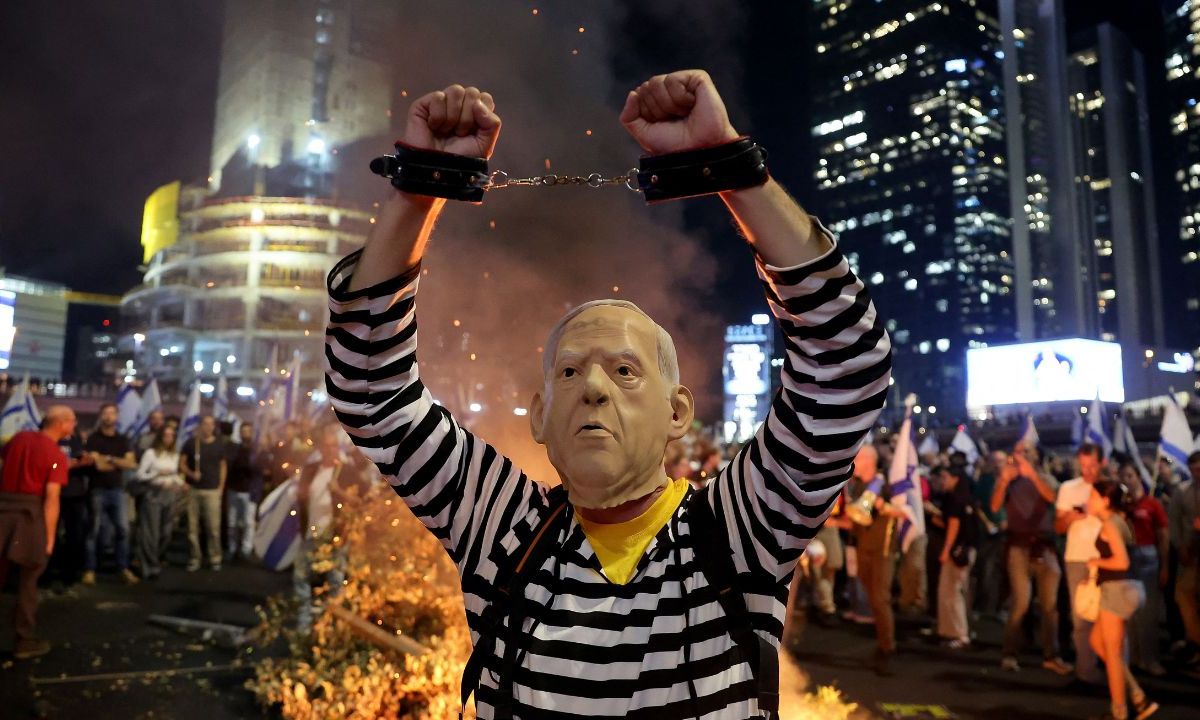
(157,514)
(1071,519)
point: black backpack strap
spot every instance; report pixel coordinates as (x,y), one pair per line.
(520,566)
(709,541)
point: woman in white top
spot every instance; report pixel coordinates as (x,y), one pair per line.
(157,514)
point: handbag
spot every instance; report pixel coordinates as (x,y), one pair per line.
(1087,598)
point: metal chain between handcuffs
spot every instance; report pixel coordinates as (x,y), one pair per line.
(498,179)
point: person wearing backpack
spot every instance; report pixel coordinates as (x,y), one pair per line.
(622,592)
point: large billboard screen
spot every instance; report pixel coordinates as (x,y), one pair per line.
(747,379)
(1041,372)
(8,329)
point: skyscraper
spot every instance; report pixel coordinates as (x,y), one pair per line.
(1183,96)
(911,173)
(234,279)
(299,79)
(1119,254)
(1050,299)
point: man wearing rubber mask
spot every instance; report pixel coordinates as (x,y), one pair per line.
(624,614)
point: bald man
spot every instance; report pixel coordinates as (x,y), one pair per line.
(622,618)
(34,472)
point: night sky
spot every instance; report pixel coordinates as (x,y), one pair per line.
(102,102)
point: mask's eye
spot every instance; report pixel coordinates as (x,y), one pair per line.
(568,372)
(625,371)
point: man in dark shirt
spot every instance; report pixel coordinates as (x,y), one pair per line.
(204,469)
(956,555)
(112,456)
(1027,494)
(246,468)
(67,565)
(989,561)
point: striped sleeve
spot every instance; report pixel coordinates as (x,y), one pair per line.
(466,493)
(777,492)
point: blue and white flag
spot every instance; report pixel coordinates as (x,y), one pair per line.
(1029,433)
(906,486)
(191,416)
(929,446)
(20,412)
(277,533)
(129,406)
(1096,433)
(1175,438)
(963,443)
(221,400)
(1124,443)
(151,402)
(1077,431)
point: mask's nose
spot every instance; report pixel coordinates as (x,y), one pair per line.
(596,386)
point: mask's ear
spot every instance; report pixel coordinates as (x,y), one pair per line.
(683,409)
(537,413)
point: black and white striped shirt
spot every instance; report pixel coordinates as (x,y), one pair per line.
(597,649)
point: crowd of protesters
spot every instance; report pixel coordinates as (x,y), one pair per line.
(1011,539)
(109,505)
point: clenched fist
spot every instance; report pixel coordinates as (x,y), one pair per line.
(460,120)
(676,112)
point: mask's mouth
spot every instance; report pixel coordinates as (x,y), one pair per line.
(593,428)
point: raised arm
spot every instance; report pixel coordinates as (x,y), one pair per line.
(780,488)
(459,487)
(456,120)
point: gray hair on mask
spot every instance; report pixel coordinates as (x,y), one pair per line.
(668,361)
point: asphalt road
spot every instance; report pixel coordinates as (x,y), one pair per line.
(966,683)
(105,652)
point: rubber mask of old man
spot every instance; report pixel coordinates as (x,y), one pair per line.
(610,404)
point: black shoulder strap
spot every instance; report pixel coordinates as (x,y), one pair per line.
(520,566)
(716,561)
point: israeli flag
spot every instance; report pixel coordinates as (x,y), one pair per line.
(963,443)
(277,534)
(1124,443)
(1029,433)
(905,485)
(191,416)
(151,402)
(20,412)
(1175,438)
(929,446)
(221,400)
(1077,430)
(129,405)
(1095,433)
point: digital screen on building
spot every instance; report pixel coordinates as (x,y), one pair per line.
(1048,371)
(746,373)
(8,329)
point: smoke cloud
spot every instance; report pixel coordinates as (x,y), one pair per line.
(499,275)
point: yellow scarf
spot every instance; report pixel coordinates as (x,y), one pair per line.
(619,546)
